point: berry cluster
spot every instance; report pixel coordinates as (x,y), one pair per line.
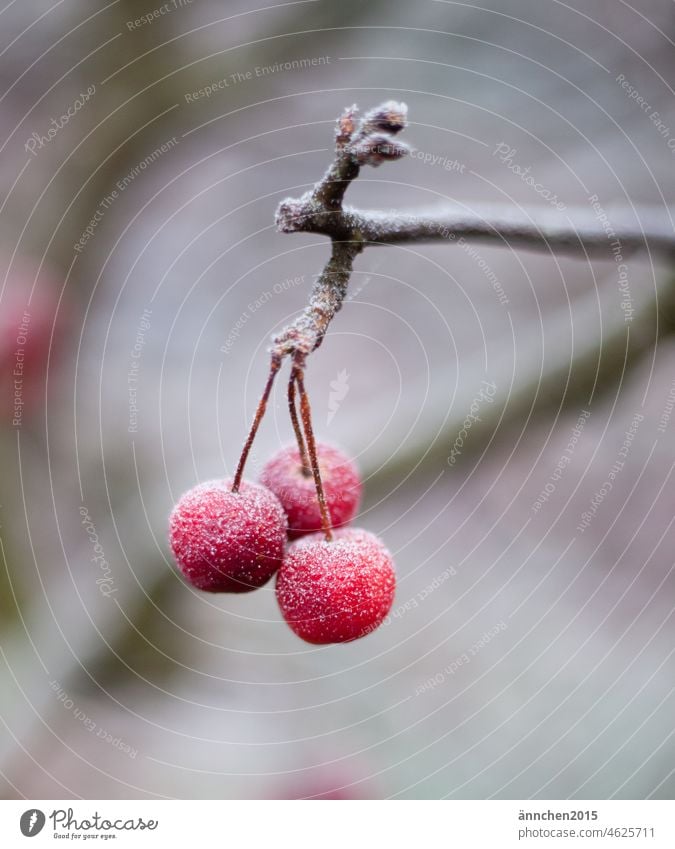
(334,583)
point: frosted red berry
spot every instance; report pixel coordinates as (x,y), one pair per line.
(225,541)
(296,491)
(333,592)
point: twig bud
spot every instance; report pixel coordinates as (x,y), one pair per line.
(390,117)
(294,214)
(345,126)
(378,148)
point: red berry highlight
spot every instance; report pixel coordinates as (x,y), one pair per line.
(333,592)
(296,491)
(227,541)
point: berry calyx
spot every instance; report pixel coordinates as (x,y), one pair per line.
(334,592)
(285,476)
(226,541)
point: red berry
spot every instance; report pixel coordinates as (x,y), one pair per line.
(226,541)
(284,475)
(30,322)
(332,592)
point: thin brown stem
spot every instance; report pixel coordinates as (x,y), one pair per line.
(304,460)
(259,413)
(306,412)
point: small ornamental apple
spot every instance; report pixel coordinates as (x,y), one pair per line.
(226,541)
(337,591)
(295,488)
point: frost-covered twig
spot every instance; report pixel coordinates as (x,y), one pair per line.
(371,141)
(577,230)
(330,289)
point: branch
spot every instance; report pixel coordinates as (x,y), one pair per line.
(306,333)
(576,230)
(371,142)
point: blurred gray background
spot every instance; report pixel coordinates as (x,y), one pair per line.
(524,657)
